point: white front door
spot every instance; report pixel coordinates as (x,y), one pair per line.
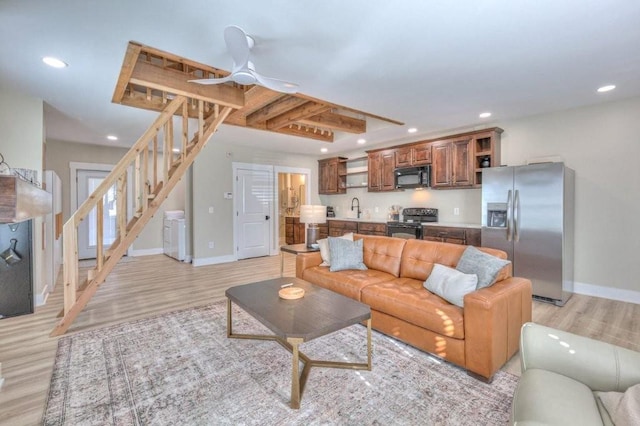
(254,192)
(88,181)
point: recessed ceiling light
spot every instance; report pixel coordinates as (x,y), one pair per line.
(112,137)
(606,88)
(485,115)
(323,150)
(176,150)
(362,141)
(54,62)
(412,130)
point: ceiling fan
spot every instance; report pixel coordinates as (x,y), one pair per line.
(239,45)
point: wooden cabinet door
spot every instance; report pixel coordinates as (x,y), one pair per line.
(461,164)
(374,168)
(403,157)
(387,177)
(322,177)
(441,165)
(421,154)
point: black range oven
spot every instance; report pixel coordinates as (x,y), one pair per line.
(411,224)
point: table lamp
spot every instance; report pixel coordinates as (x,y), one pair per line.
(312,216)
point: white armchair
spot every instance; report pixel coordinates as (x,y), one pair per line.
(562,374)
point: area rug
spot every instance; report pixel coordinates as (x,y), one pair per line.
(181,369)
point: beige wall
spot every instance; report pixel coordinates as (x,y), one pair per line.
(21,144)
(213,175)
(61,153)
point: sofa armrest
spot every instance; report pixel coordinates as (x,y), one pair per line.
(599,365)
(493,317)
(306,261)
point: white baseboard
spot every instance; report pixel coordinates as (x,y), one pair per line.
(41,298)
(213,260)
(612,293)
(146,252)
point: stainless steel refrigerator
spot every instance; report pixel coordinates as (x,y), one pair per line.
(528,212)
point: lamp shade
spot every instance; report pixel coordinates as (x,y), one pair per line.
(313,214)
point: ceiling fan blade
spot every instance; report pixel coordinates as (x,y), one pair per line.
(275,84)
(238,45)
(212,80)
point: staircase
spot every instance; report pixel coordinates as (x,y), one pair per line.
(155,169)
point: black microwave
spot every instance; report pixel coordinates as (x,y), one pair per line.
(413,177)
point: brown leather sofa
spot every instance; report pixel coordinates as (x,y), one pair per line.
(480,337)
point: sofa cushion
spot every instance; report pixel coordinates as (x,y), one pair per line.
(485,266)
(348,282)
(419,257)
(382,253)
(544,397)
(405,298)
(450,284)
(345,254)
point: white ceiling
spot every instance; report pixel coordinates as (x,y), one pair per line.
(431,64)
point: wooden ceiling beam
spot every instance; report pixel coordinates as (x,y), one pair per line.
(255,98)
(306,110)
(128,63)
(336,122)
(274,109)
(307,133)
(155,77)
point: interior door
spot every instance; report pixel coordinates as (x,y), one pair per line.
(254,189)
(88,181)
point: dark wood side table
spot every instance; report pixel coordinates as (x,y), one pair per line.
(293,249)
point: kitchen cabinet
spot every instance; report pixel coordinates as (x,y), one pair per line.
(453,235)
(452,164)
(413,156)
(323,230)
(486,152)
(338,228)
(294,230)
(372,228)
(357,172)
(381,165)
(332,176)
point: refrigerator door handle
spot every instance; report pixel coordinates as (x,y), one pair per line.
(516,216)
(509,215)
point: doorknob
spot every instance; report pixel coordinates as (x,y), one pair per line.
(267,217)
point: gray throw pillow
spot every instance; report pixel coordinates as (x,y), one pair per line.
(345,254)
(450,284)
(323,244)
(485,266)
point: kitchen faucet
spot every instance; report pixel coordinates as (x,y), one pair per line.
(358,206)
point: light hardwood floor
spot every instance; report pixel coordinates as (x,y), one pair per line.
(146,286)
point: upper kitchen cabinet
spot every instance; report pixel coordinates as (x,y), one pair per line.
(452,165)
(332,176)
(457,161)
(413,155)
(380,169)
(486,152)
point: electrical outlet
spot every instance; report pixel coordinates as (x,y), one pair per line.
(456,211)
(376,210)
(211,209)
(211,245)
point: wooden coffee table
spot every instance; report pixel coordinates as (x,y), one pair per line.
(294,322)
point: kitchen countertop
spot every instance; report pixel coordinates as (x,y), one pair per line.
(353,219)
(380,220)
(454,224)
